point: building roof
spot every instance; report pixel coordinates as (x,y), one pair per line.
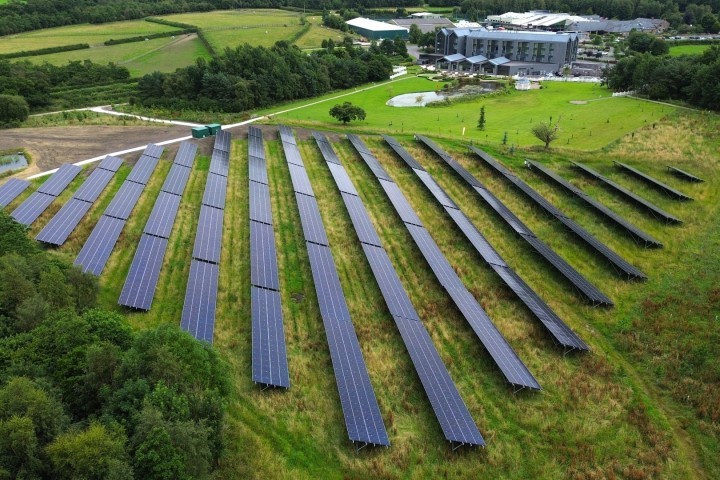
(618,26)
(424,24)
(535,18)
(499,61)
(477,59)
(456,57)
(425,15)
(523,36)
(373,25)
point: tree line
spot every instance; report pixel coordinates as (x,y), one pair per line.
(249,77)
(82,395)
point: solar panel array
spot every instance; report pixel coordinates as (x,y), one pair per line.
(655,211)
(514,370)
(198,315)
(33,206)
(638,234)
(588,290)
(139,288)
(357,397)
(97,248)
(69,216)
(684,175)
(11,189)
(561,333)
(269,352)
(452,413)
(666,189)
(620,264)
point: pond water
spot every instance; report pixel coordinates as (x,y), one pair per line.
(12,162)
(420,99)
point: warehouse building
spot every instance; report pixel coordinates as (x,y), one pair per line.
(373,30)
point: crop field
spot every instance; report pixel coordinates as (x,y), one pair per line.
(688,50)
(161,54)
(593,121)
(94,35)
(232,28)
(642,404)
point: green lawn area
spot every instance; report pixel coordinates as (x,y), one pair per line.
(688,50)
(588,126)
(313,38)
(86,33)
(162,54)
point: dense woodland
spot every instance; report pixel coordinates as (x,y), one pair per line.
(84,396)
(249,77)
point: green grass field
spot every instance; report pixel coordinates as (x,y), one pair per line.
(642,404)
(688,50)
(94,35)
(589,126)
(159,54)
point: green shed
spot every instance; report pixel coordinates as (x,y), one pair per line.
(214,128)
(200,132)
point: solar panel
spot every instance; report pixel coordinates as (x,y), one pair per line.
(293,155)
(392,290)
(139,289)
(198,315)
(504,212)
(94,185)
(492,162)
(483,247)
(666,189)
(435,189)
(684,175)
(176,179)
(358,143)
(404,154)
(208,240)
(153,150)
(99,245)
(186,154)
(110,163)
(269,364)
(286,135)
(255,132)
(467,176)
(403,208)
(442,269)
(142,170)
(215,191)
(342,179)
(219,164)
(64,222)
(162,217)
(11,189)
(125,200)
(60,180)
(260,209)
(654,210)
(33,206)
(222,141)
(330,295)
(311,220)
(325,148)
(263,258)
(363,225)
(300,180)
(257,170)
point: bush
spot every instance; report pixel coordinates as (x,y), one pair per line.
(14,110)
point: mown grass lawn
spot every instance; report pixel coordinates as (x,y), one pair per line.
(688,50)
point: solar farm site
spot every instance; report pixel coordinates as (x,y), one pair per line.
(419,291)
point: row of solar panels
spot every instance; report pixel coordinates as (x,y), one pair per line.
(450,410)
(198,315)
(561,333)
(269,352)
(357,397)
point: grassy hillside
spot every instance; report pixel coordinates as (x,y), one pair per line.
(641,405)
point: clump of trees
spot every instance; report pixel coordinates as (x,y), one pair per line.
(13,110)
(347,112)
(84,396)
(248,77)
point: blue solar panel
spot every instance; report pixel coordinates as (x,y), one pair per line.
(300,180)
(125,200)
(222,141)
(142,170)
(260,209)
(434,188)
(176,179)
(311,220)
(269,364)
(162,217)
(139,289)
(111,163)
(263,259)
(33,206)
(186,154)
(94,185)
(153,150)
(666,189)
(325,148)
(215,191)
(286,135)
(60,180)
(292,154)
(64,222)
(220,163)
(403,208)
(404,154)
(11,189)
(198,315)
(682,174)
(481,244)
(342,179)
(330,294)
(208,240)
(392,290)
(362,223)
(99,245)
(258,170)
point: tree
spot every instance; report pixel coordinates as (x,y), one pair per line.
(347,112)
(415,34)
(546,132)
(14,109)
(481,120)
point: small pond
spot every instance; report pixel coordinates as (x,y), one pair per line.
(12,162)
(420,99)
